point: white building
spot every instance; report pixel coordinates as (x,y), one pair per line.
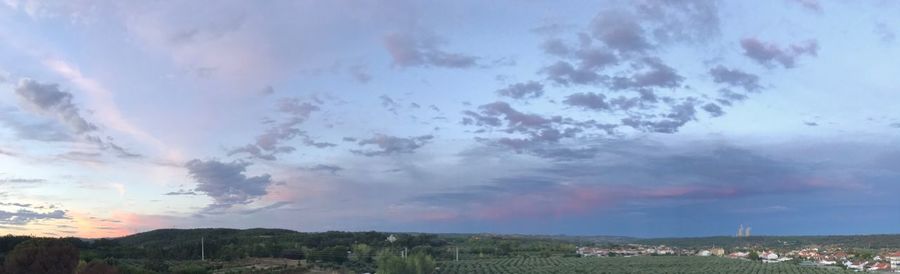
(895,260)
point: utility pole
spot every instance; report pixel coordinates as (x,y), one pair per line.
(457,253)
(202,250)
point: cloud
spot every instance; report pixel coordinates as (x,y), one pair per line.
(564,73)
(109,144)
(48,99)
(388,103)
(268,90)
(24,216)
(658,75)
(270,143)
(360,74)
(885,32)
(15,204)
(625,174)
(333,169)
(390,145)
(411,50)
(181,192)
(620,31)
(713,109)
(527,90)
(735,78)
(21,181)
(49,131)
(767,54)
(8,153)
(525,129)
(268,207)
(82,156)
(812,5)
(226,183)
(587,100)
(679,115)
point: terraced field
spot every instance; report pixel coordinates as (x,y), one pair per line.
(623,265)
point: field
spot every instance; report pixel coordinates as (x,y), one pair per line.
(622,265)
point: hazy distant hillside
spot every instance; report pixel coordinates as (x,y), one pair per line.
(160,236)
(857,241)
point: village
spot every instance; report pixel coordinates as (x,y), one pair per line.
(834,257)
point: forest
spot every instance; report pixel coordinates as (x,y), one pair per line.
(286,251)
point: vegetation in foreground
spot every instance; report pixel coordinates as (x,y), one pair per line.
(285,251)
(655,264)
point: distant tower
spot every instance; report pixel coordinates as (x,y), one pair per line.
(741,231)
(747,233)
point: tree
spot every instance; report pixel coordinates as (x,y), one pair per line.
(42,256)
(754,256)
(362,252)
(418,263)
(98,267)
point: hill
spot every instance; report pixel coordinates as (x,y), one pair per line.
(883,241)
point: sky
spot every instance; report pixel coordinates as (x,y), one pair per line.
(633,118)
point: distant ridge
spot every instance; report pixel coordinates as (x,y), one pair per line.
(171,235)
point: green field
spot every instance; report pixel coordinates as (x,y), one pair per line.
(622,265)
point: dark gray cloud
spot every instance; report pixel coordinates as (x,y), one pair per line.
(15,204)
(24,216)
(564,73)
(670,122)
(390,145)
(267,90)
(587,100)
(619,52)
(728,96)
(620,30)
(271,143)
(494,114)
(109,144)
(527,90)
(411,50)
(680,21)
(48,99)
(526,129)
(656,75)
(21,181)
(181,192)
(713,109)
(333,169)
(767,54)
(40,131)
(389,104)
(735,78)
(276,205)
(617,174)
(226,183)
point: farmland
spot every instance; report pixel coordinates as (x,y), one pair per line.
(654,264)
